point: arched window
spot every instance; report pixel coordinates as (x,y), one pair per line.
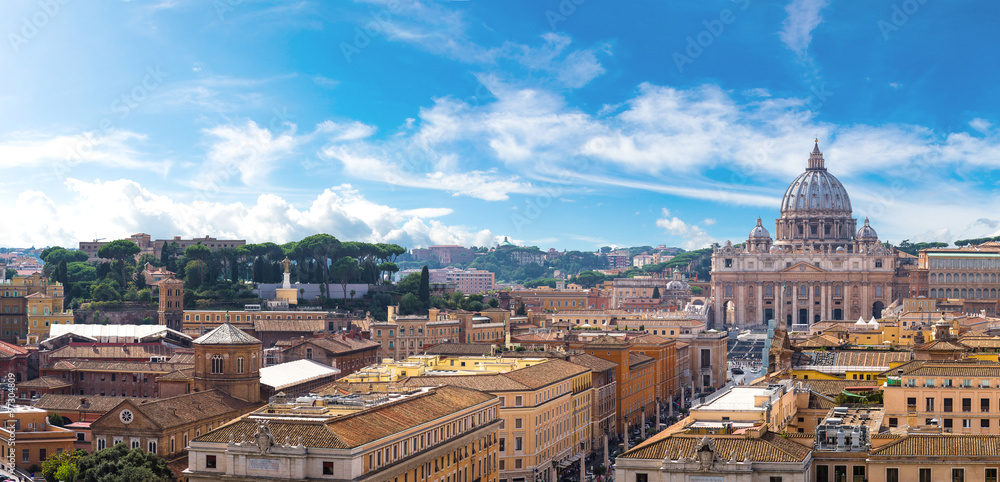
(769,290)
(933,293)
(947,278)
(838,290)
(965,294)
(979,278)
(239,365)
(979,294)
(216,363)
(933,278)
(947,293)
(964,278)
(729,290)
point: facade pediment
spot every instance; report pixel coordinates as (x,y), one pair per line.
(803,267)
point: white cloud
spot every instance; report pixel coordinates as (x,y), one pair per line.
(249,149)
(708,222)
(441,31)
(694,237)
(61,153)
(116,209)
(803,18)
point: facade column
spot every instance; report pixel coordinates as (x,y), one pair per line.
(583,467)
(760,303)
(779,309)
(812,304)
(824,294)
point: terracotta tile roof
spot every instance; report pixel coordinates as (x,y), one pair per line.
(529,378)
(638,359)
(980,341)
(607,340)
(116,366)
(85,352)
(47,382)
(8,350)
(822,340)
(310,326)
(941,345)
(648,339)
(360,428)
(941,445)
(872,358)
(460,349)
(537,376)
(191,407)
(226,334)
(99,404)
(770,447)
(336,344)
(946,369)
(182,358)
(592,362)
(179,375)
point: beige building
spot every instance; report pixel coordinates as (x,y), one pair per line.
(430,434)
(819,266)
(956,397)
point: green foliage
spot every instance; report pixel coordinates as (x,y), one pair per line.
(409,304)
(121,250)
(194,274)
(58,254)
(120,464)
(198,251)
(696,290)
(56,419)
(656,292)
(424,289)
(106,290)
(494,303)
(913,248)
(145,295)
(54,463)
(379,306)
(589,279)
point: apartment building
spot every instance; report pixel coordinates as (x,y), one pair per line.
(958,397)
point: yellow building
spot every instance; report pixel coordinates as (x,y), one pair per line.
(435,365)
(545,406)
(45,310)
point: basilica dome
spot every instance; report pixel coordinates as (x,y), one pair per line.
(815,190)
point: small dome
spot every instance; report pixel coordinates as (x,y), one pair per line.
(840,249)
(759,231)
(677,285)
(867,233)
(774,249)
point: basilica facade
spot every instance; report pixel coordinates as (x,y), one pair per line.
(819,265)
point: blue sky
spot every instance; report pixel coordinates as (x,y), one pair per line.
(570,124)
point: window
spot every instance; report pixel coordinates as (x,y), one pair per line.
(893,422)
(892,475)
(984,423)
(774,479)
(957,475)
(209,461)
(216,363)
(947,405)
(517,423)
(929,402)
(991,475)
(101,443)
(822,473)
(984,405)
(966,423)
(151,447)
(135,443)
(947,423)
(239,365)
(25,456)
(641,478)
(518,444)
(840,473)
(925,475)
(966,404)
(859,473)
(41,454)
(502,449)
(327,468)
(518,401)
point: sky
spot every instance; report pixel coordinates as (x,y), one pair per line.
(571,124)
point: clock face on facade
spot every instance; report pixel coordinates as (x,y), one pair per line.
(126,416)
